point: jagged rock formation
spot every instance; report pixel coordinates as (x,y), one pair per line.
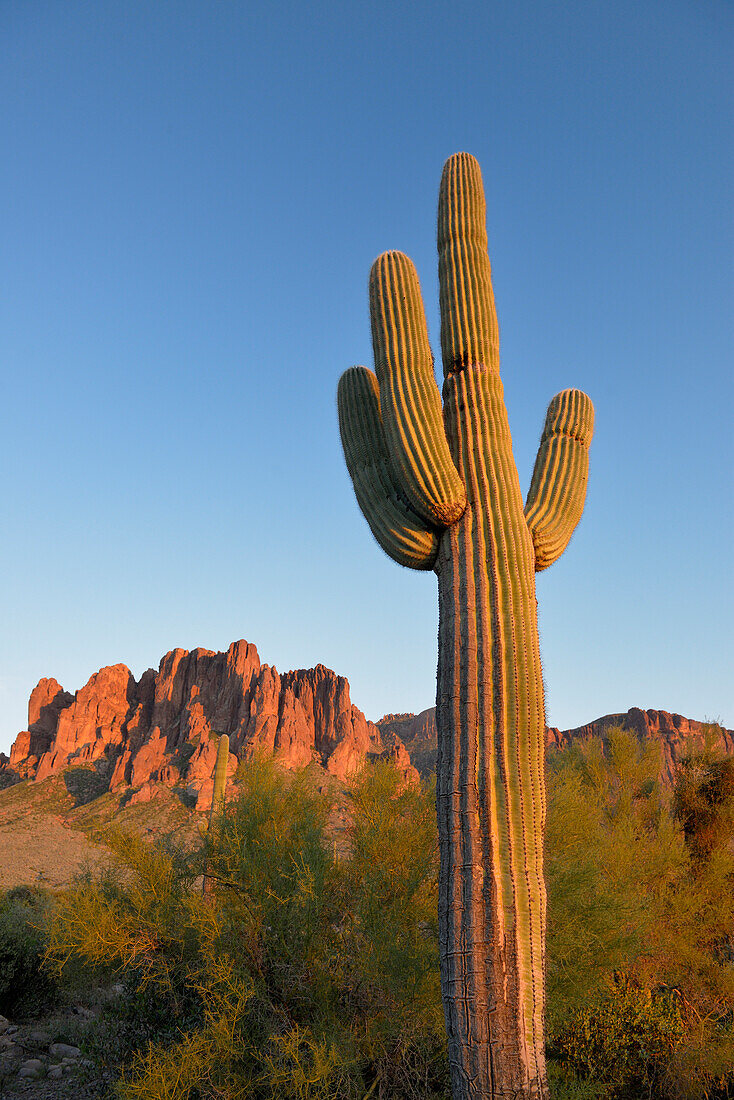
(162,729)
(419,734)
(674,732)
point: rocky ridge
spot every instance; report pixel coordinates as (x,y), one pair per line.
(142,736)
(673,732)
(161,731)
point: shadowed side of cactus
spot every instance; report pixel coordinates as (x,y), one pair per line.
(218,793)
(439,489)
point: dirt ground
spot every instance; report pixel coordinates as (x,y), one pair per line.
(49,831)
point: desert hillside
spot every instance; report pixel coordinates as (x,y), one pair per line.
(141,753)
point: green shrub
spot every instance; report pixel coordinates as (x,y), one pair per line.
(307,975)
(299,975)
(612,852)
(390,928)
(627,897)
(626,1041)
(704,800)
(565,1084)
(26,989)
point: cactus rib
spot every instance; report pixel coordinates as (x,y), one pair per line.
(490,770)
(220,776)
(218,792)
(469,330)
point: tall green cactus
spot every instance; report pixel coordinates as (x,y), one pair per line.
(439,489)
(220,777)
(220,787)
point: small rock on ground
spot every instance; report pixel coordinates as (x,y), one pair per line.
(32,1067)
(63,1050)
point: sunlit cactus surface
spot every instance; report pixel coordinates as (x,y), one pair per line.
(218,793)
(437,483)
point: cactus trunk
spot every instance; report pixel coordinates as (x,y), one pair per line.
(218,792)
(220,777)
(490,787)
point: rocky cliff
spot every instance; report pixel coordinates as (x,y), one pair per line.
(673,732)
(161,730)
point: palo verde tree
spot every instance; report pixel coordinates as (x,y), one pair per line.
(440,490)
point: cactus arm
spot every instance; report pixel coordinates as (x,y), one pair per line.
(402,534)
(409,397)
(557,491)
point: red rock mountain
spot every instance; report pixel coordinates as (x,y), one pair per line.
(674,733)
(160,730)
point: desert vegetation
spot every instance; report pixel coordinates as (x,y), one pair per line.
(310,967)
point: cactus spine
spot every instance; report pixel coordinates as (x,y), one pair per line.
(440,490)
(220,787)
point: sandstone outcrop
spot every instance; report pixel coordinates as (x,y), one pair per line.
(161,731)
(673,732)
(47,700)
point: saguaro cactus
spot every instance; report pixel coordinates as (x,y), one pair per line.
(439,489)
(220,786)
(220,777)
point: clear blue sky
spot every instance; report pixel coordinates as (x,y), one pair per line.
(192,196)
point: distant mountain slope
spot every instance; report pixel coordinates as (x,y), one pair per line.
(674,732)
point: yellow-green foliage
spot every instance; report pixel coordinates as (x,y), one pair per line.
(395,898)
(211,1058)
(305,976)
(631,910)
(283,982)
(130,922)
(610,848)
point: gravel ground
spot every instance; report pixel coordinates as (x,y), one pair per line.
(42,1059)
